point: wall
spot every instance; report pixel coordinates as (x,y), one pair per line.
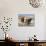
(11,8)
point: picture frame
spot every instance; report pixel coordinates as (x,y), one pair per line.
(26,20)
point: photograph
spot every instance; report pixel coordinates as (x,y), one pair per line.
(26,20)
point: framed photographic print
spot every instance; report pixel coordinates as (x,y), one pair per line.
(26,20)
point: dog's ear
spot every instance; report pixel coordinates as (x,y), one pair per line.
(22,19)
(29,20)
